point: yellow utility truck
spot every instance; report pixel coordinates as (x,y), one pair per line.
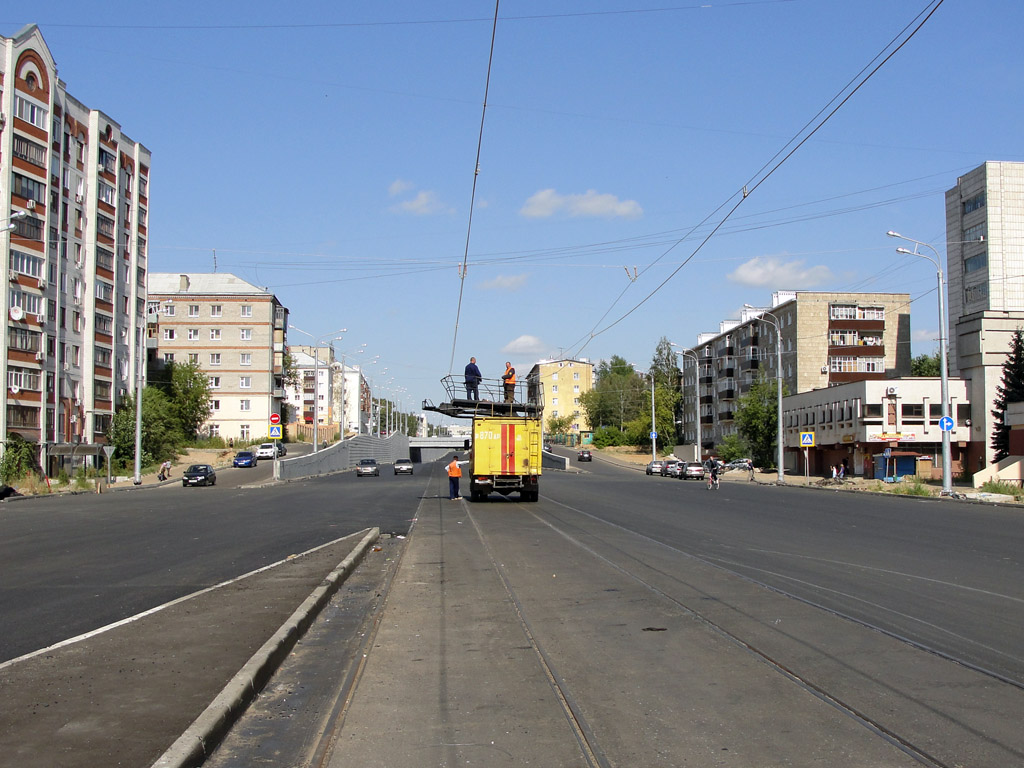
(506,447)
(505,456)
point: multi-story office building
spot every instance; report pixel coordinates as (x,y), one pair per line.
(985,268)
(236,332)
(74,200)
(826,339)
(562,383)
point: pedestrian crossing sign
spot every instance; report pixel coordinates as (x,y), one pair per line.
(275,432)
(806,439)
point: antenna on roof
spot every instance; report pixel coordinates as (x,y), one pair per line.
(214,259)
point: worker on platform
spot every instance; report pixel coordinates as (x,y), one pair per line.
(509,379)
(473,377)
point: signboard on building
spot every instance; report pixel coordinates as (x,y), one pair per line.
(892,437)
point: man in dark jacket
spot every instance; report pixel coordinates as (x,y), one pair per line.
(473,378)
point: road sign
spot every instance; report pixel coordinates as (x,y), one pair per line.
(275,432)
(275,418)
(946,424)
(887,453)
(806,439)
(654,435)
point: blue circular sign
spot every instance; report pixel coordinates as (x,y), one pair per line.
(654,435)
(946,424)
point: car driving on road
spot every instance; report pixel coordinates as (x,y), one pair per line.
(403,467)
(244,459)
(584,455)
(367,468)
(199,474)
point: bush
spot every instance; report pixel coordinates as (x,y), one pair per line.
(911,488)
(606,436)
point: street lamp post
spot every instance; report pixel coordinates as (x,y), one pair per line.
(696,392)
(947,460)
(778,385)
(316,378)
(140,379)
(341,421)
(654,439)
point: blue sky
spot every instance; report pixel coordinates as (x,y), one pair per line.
(327,150)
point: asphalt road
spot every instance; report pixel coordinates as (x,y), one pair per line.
(73,564)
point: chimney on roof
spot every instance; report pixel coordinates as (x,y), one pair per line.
(183,283)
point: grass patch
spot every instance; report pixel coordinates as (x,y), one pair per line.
(910,488)
(1008,489)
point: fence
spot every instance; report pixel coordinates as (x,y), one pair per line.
(344,455)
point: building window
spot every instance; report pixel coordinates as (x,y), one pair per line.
(28,188)
(576,375)
(215,358)
(193,357)
(912,411)
(245,405)
(974,203)
(214,382)
(871,313)
(193,310)
(30,151)
(245,382)
(168,334)
(842,338)
(974,263)
(193,334)
(32,113)
(216,310)
(26,264)
(169,310)
(215,405)
(243,431)
(247,310)
(245,358)
(554,388)
(842,312)
(215,334)
(245,334)
(168,357)
(973,234)
(215,430)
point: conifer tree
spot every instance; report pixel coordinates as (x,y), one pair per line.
(1011,391)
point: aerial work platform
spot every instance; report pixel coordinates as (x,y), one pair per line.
(527,399)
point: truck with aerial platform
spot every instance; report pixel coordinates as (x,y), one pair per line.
(506,444)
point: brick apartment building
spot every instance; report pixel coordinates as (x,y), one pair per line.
(236,332)
(74,205)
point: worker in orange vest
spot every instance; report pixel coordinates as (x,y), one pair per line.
(510,383)
(454,473)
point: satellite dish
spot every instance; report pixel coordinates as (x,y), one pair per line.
(15,389)
(17,313)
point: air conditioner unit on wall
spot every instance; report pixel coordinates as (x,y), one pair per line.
(40,356)
(892,390)
(12,275)
(824,369)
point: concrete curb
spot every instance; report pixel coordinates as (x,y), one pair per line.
(193,747)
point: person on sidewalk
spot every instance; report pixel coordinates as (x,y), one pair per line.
(454,473)
(473,377)
(165,471)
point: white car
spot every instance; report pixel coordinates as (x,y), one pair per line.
(268,451)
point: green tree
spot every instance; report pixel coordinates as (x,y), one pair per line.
(19,458)
(161,431)
(926,365)
(756,417)
(1011,391)
(667,375)
(560,425)
(731,448)
(605,436)
(618,395)
(190,397)
(638,431)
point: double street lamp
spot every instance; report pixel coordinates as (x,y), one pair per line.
(947,461)
(778,384)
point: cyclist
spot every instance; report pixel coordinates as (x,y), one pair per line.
(711,470)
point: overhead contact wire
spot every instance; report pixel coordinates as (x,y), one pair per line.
(472,196)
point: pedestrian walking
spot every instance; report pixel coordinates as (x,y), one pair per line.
(473,377)
(750,469)
(165,471)
(509,379)
(454,474)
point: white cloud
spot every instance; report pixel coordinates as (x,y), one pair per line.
(773,272)
(426,203)
(398,186)
(504,283)
(591,204)
(924,336)
(525,348)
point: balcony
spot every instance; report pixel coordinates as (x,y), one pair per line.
(707,419)
(750,365)
(725,415)
(857,350)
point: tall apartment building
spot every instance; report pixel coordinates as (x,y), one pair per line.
(562,383)
(74,200)
(236,332)
(827,339)
(985,269)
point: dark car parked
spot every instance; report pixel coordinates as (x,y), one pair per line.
(584,455)
(245,459)
(199,474)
